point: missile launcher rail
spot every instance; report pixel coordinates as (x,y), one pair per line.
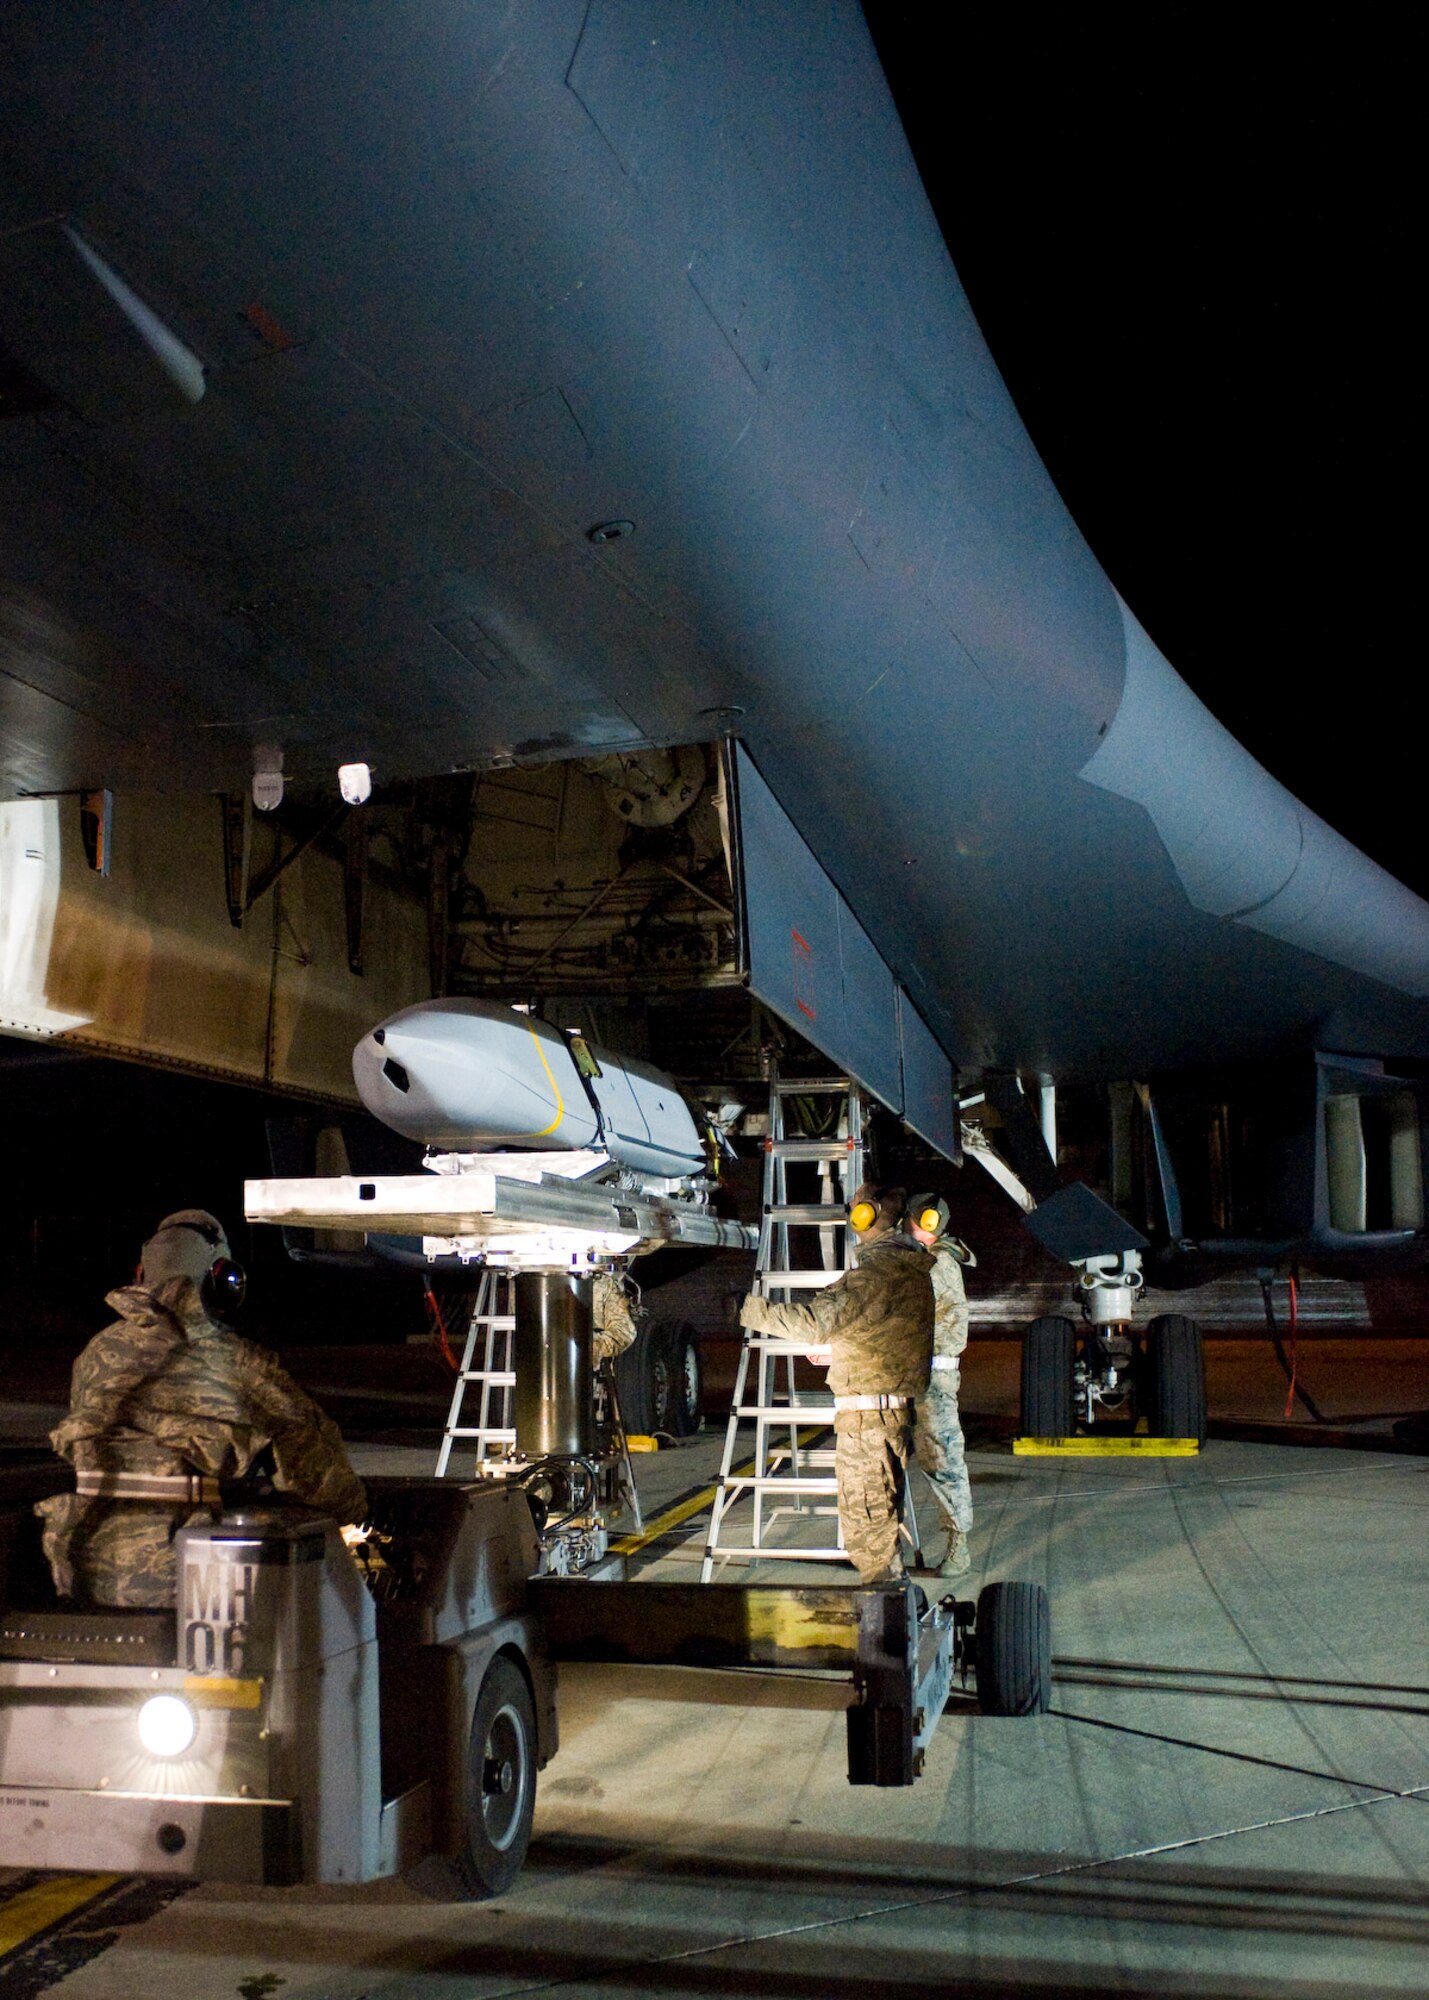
(511,1210)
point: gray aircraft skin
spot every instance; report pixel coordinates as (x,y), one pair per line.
(336,329)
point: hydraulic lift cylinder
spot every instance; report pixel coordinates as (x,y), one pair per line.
(555,1392)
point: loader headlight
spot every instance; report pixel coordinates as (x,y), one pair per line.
(167,1725)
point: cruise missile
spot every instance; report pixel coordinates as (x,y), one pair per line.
(472,1075)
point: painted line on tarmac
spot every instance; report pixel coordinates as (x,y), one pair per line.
(1174,1489)
(690,1504)
(963,1893)
(46,1903)
(58,1923)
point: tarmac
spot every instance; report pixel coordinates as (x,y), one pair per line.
(1230,1797)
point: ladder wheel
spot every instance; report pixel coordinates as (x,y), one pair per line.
(1048,1351)
(1012,1649)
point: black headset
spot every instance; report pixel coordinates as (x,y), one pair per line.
(225,1285)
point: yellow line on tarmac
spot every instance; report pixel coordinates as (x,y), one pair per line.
(1105,1447)
(630,1545)
(34,1910)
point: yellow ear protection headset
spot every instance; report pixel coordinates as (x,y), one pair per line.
(862,1216)
(930,1212)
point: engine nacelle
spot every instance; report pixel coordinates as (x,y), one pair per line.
(467,1075)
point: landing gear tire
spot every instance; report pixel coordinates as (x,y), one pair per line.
(500,1783)
(682,1352)
(1175,1378)
(644,1382)
(1048,1350)
(1012,1649)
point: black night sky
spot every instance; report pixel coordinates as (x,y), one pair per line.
(1194,248)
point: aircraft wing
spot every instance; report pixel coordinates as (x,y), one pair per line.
(444,386)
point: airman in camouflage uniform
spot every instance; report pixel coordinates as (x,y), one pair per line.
(164,1404)
(937,1428)
(877,1322)
(614,1321)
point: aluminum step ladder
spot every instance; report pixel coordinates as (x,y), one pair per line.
(492,1328)
(790,1483)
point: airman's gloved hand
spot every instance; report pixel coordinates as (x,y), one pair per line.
(754,1313)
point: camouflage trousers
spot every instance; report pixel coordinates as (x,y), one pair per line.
(938,1448)
(118,1552)
(872,1452)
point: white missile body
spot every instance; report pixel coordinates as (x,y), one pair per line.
(468,1075)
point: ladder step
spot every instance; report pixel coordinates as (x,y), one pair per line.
(773,1552)
(790,1483)
(811,1149)
(502,1437)
(838,1086)
(499,1378)
(828,1214)
(803,1281)
(793,1414)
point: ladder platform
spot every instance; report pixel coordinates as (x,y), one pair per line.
(809,1149)
(796,1281)
(824,1214)
(811,1086)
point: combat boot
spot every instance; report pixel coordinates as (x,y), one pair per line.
(957,1561)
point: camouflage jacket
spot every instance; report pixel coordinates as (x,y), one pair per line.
(877,1319)
(164,1390)
(614,1321)
(950,1304)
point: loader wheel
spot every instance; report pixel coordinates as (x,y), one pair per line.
(1176,1378)
(682,1353)
(501,1782)
(644,1380)
(1012,1649)
(1048,1348)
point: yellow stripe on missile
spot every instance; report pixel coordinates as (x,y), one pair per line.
(555,1087)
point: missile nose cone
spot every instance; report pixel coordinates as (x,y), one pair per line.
(384,1080)
(463,1073)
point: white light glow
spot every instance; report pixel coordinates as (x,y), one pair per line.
(167,1726)
(354,781)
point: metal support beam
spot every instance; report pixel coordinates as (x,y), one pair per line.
(354,884)
(237,811)
(261,884)
(438,917)
(96,827)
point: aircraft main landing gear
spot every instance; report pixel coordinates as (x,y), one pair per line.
(1112,1371)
